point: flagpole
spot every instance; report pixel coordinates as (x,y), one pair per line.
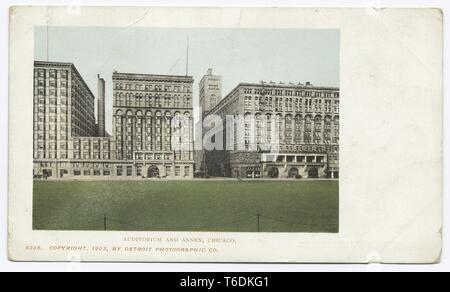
(187,57)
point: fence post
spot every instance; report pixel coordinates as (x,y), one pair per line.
(258,216)
(104,222)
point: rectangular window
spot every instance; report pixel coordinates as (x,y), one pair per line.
(77,172)
(129,170)
(177,171)
(186,171)
(119,170)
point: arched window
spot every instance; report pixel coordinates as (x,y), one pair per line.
(268,126)
(327,130)
(318,129)
(188,102)
(308,130)
(274,172)
(159,130)
(288,129)
(248,128)
(279,126)
(335,138)
(259,129)
(298,129)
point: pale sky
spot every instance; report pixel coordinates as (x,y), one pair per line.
(238,55)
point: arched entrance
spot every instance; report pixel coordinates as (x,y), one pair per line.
(274,172)
(293,173)
(153,171)
(313,172)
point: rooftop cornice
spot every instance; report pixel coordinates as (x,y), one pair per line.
(271,86)
(288,86)
(152,77)
(64,65)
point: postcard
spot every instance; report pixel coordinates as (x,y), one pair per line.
(149,134)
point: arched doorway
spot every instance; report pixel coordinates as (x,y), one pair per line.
(153,171)
(313,172)
(274,172)
(293,173)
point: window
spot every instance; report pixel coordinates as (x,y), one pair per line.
(119,170)
(129,170)
(177,171)
(96,172)
(106,172)
(186,171)
(139,170)
(77,172)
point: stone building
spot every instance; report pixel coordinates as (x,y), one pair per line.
(210,93)
(63,111)
(149,110)
(278,131)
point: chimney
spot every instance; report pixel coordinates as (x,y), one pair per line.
(210,71)
(101,107)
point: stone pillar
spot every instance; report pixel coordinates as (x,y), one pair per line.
(134,172)
(163,131)
(293,132)
(321,172)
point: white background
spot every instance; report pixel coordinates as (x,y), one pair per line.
(9,266)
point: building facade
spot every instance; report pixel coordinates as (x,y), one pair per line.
(63,110)
(286,131)
(210,91)
(149,110)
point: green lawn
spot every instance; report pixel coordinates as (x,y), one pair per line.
(228,206)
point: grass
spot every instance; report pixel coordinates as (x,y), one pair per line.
(224,206)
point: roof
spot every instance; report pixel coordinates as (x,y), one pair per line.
(152,77)
(288,85)
(62,64)
(270,85)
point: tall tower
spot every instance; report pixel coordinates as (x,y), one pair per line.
(101,107)
(210,91)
